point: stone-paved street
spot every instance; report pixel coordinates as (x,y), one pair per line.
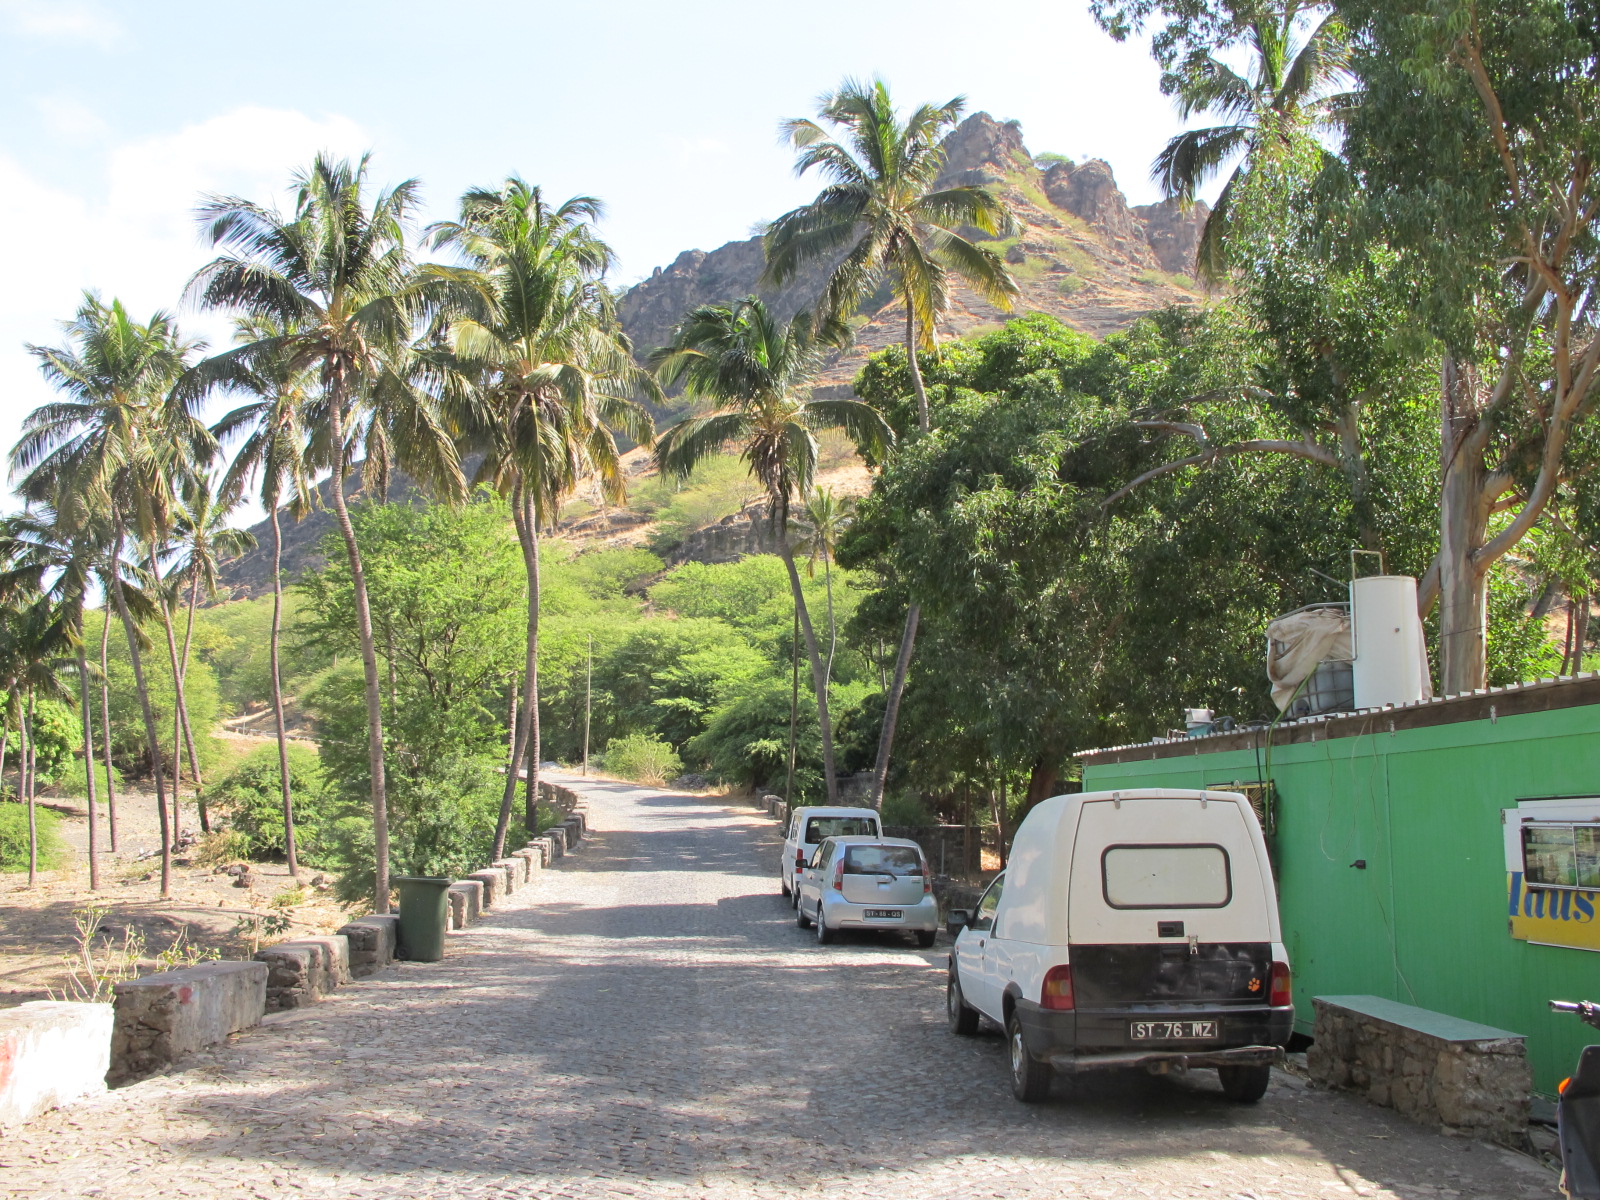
(648,1021)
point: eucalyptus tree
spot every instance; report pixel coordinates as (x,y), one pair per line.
(1298,56)
(336,274)
(539,375)
(883,217)
(204,540)
(755,371)
(114,441)
(275,449)
(53,553)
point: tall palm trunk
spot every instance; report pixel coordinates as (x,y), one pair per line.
(794,705)
(180,701)
(151,734)
(908,638)
(88,767)
(29,765)
(369,657)
(818,680)
(524,515)
(277,689)
(833,626)
(105,725)
(183,674)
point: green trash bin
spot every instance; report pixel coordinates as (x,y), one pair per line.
(424,916)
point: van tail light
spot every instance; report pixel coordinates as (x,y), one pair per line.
(927,879)
(1282,989)
(1057,991)
(838,876)
(799,860)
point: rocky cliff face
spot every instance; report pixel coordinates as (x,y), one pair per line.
(1081,254)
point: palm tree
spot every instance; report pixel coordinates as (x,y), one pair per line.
(204,538)
(31,637)
(541,375)
(336,276)
(1289,88)
(825,519)
(54,553)
(753,369)
(275,445)
(112,439)
(885,214)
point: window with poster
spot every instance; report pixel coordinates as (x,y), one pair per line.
(1559,854)
(1553,871)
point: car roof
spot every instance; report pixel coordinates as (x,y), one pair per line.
(835,810)
(867,840)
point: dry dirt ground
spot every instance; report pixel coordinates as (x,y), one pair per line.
(37,928)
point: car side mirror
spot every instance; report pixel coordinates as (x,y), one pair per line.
(956,920)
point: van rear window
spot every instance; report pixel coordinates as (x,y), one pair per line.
(818,828)
(1166,876)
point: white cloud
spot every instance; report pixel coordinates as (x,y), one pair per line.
(134,236)
(63,19)
(70,120)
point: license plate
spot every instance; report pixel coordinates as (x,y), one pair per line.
(888,914)
(1170,1031)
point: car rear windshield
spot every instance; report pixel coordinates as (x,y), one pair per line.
(882,860)
(1166,876)
(818,828)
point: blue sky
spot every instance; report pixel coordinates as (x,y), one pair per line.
(118,115)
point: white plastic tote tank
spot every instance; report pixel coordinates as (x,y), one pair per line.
(1391,665)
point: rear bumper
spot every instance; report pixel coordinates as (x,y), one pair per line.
(1089,1040)
(842,914)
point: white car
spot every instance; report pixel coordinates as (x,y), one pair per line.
(809,825)
(867,883)
(1130,929)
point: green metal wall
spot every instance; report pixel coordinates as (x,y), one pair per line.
(1426,922)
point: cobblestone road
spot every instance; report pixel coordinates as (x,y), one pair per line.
(649,1022)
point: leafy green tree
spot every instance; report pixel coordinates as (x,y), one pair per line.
(336,280)
(753,369)
(1474,145)
(114,441)
(543,375)
(251,796)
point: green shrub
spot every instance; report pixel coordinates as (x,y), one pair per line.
(14,837)
(643,758)
(252,796)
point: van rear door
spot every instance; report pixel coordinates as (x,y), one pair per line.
(1167,903)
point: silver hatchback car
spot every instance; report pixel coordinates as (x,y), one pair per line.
(867,883)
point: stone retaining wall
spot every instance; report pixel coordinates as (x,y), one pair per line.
(1468,1078)
(161,1017)
(373,943)
(305,970)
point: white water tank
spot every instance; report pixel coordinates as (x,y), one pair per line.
(1391,658)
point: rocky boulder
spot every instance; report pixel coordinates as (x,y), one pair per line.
(1174,233)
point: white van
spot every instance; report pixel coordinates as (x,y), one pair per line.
(1130,929)
(810,826)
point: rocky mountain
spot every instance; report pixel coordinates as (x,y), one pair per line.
(1081,253)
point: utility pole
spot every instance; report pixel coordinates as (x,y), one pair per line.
(588,703)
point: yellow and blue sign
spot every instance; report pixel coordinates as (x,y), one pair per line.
(1547,865)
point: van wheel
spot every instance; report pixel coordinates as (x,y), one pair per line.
(800,918)
(1030,1078)
(824,934)
(962,1016)
(925,938)
(1244,1085)
(784,885)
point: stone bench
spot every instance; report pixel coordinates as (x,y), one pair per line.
(162,1017)
(466,902)
(52,1052)
(556,838)
(574,828)
(305,970)
(493,880)
(372,943)
(1467,1077)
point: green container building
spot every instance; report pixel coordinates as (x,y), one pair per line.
(1417,794)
